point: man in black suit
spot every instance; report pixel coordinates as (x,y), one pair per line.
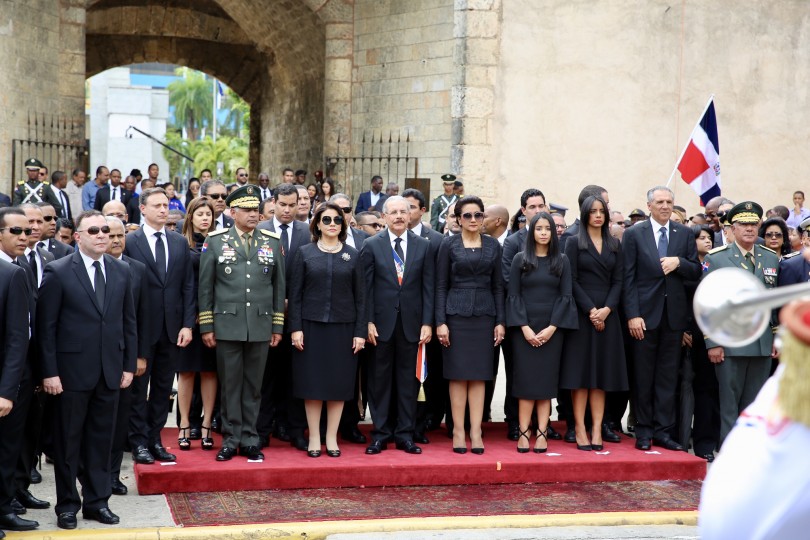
(794,267)
(114,191)
(216,192)
(169,283)
(88,345)
(280,412)
(47,239)
(659,255)
(354,237)
(15,369)
(373,199)
(400,277)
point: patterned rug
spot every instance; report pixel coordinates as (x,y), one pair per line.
(273,506)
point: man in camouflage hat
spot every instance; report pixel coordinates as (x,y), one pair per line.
(438,211)
(33,190)
(241,302)
(741,371)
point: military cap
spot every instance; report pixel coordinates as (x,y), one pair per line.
(747,212)
(246,196)
(637,212)
(448,178)
(558,209)
(804,226)
(33,163)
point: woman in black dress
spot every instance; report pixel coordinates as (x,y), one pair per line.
(326,307)
(539,303)
(594,361)
(469,317)
(196,358)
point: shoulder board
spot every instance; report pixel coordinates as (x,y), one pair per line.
(21,182)
(718,249)
(46,183)
(791,255)
(220,231)
(766,248)
(271,234)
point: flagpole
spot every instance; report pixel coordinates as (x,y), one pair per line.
(677,161)
(214,116)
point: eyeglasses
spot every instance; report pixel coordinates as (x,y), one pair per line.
(17,231)
(372,225)
(773,234)
(563,227)
(120,216)
(346,209)
(327,220)
(469,215)
(241,175)
(43,174)
(95,230)
(49,218)
(217,196)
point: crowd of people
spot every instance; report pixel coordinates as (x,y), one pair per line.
(269,305)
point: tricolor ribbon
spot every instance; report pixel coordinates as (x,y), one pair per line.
(421,369)
(400,266)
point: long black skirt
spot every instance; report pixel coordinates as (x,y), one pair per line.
(327,367)
(469,356)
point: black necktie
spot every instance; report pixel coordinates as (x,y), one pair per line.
(65,205)
(398,249)
(113,194)
(32,260)
(99,284)
(285,238)
(160,256)
(663,242)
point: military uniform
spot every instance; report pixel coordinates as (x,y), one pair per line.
(241,300)
(34,191)
(744,369)
(438,209)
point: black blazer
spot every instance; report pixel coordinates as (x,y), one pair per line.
(103,197)
(299,236)
(58,249)
(514,244)
(133,210)
(646,288)
(14,306)
(435,239)
(137,273)
(386,298)
(80,341)
(359,236)
(793,270)
(469,286)
(172,303)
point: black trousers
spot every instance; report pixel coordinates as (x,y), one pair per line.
(148,415)
(394,365)
(510,402)
(351,416)
(437,390)
(279,408)
(120,432)
(655,365)
(12,427)
(85,421)
(31,435)
(706,424)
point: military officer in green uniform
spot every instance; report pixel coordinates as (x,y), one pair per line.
(241,302)
(741,371)
(438,210)
(32,190)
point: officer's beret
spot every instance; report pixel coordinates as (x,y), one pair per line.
(745,212)
(246,196)
(33,163)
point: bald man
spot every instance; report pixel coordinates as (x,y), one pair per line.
(115,209)
(496,222)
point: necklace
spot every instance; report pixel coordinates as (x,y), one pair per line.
(328,249)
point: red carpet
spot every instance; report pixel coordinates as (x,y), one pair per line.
(244,507)
(287,468)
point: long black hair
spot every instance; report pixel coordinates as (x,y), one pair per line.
(584,219)
(779,222)
(555,258)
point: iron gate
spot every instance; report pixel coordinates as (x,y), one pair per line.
(56,141)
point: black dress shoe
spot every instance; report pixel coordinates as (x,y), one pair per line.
(513,432)
(13,522)
(142,455)
(354,436)
(35,477)
(118,487)
(570,435)
(376,447)
(29,501)
(17,507)
(477,451)
(314,453)
(66,520)
(584,447)
(299,443)
(194,434)
(251,452)
(333,453)
(643,444)
(553,434)
(608,435)
(669,444)
(420,438)
(281,434)
(226,453)
(409,447)
(102,515)
(708,457)
(159,452)
(460,449)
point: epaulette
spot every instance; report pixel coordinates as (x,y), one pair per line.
(766,248)
(791,255)
(718,249)
(271,234)
(46,183)
(21,182)
(220,231)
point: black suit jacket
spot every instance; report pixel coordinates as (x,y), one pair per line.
(137,273)
(299,236)
(360,237)
(133,210)
(435,239)
(172,302)
(793,270)
(13,328)
(514,244)
(58,249)
(386,298)
(79,340)
(103,197)
(5,200)
(646,289)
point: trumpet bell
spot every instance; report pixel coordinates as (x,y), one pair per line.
(732,307)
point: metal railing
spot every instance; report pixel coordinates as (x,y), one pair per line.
(53,140)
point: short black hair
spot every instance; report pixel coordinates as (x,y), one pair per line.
(591,190)
(57,176)
(285,189)
(469,199)
(9,211)
(415,194)
(86,214)
(299,172)
(98,169)
(264,203)
(528,194)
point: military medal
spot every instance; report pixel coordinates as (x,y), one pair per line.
(228,270)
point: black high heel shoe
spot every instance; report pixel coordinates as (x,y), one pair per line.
(596,447)
(333,453)
(207,441)
(183,442)
(314,453)
(541,450)
(526,435)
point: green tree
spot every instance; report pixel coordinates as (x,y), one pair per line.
(192,99)
(237,123)
(231,151)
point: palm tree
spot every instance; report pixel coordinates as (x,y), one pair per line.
(238,120)
(232,152)
(192,99)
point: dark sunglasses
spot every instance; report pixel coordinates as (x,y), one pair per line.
(217,196)
(17,231)
(49,218)
(242,175)
(374,225)
(773,234)
(469,215)
(346,209)
(95,230)
(327,220)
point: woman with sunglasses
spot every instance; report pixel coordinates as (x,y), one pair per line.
(192,191)
(775,232)
(470,317)
(326,308)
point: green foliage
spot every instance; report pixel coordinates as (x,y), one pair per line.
(191,96)
(231,151)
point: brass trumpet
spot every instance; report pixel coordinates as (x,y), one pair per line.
(733,307)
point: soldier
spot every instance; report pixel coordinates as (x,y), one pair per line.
(438,212)
(241,302)
(741,371)
(33,190)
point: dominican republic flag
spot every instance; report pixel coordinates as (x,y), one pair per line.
(700,162)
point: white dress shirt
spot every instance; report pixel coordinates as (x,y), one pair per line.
(91,270)
(152,239)
(656,228)
(28,251)
(404,244)
(277,227)
(417,230)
